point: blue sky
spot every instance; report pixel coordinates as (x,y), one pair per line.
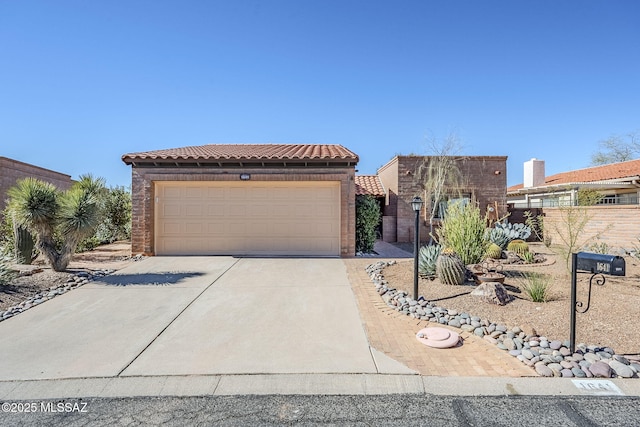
(84,82)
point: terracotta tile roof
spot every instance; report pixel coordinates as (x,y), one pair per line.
(613,171)
(369,184)
(256,152)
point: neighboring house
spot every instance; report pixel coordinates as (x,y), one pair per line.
(12,170)
(483,181)
(244,199)
(618,183)
(615,219)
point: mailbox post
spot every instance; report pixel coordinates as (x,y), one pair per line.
(598,265)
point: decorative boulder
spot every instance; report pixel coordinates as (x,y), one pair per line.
(492,292)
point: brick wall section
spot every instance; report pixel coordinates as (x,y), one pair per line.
(622,225)
(142,188)
(479,179)
(13,170)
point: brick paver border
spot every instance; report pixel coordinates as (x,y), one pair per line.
(393,334)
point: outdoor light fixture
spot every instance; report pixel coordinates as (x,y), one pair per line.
(245,176)
(416,205)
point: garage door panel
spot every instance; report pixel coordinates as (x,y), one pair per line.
(248,218)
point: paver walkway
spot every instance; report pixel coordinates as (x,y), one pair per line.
(393,334)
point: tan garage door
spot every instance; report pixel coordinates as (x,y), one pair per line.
(247,218)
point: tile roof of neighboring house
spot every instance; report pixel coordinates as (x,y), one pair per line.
(613,171)
(246,152)
(369,184)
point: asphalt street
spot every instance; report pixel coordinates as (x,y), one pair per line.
(351,410)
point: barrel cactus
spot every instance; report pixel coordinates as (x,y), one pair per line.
(427,258)
(520,247)
(494,251)
(450,269)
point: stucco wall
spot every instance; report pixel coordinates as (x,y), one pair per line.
(618,226)
(13,170)
(142,188)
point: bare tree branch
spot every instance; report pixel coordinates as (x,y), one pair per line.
(617,148)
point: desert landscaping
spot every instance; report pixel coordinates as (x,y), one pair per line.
(610,321)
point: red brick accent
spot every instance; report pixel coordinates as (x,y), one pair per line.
(142,188)
(485,178)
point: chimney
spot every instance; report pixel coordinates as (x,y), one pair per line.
(533,173)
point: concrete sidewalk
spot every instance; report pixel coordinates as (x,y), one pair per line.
(311,384)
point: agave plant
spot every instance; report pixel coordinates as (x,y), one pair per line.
(47,213)
(499,237)
(427,258)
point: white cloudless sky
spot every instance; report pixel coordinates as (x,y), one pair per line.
(84,82)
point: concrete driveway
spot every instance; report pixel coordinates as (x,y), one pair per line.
(197,316)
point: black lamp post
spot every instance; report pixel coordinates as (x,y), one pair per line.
(416,205)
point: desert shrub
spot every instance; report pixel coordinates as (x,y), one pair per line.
(598,247)
(367,219)
(463,230)
(115,205)
(6,273)
(537,286)
(536,224)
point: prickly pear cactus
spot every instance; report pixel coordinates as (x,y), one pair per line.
(450,269)
(515,230)
(427,258)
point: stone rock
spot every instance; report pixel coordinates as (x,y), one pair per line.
(566,373)
(492,292)
(479,332)
(621,369)
(578,373)
(600,370)
(556,368)
(455,323)
(514,353)
(564,351)
(544,370)
(592,358)
(555,345)
(508,342)
(621,359)
(527,354)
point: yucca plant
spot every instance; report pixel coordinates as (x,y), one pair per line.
(48,213)
(427,258)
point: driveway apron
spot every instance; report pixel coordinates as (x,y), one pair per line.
(98,329)
(196,315)
(279,315)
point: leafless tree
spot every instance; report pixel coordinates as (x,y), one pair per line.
(617,148)
(439,173)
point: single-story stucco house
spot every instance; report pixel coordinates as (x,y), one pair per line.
(244,199)
(13,170)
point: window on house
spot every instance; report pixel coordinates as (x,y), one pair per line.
(446,201)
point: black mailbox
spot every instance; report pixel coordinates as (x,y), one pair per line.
(599,263)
